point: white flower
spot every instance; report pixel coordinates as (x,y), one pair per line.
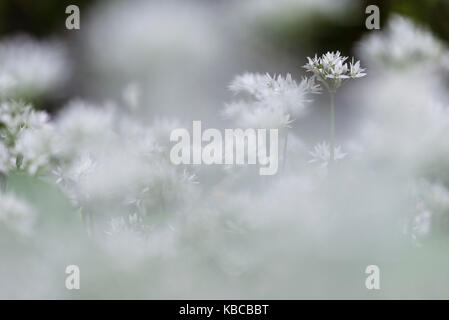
(35,147)
(252,83)
(271,88)
(27,135)
(31,67)
(402,44)
(274,100)
(355,71)
(14,118)
(331,69)
(16,214)
(262,117)
(84,126)
(321,154)
(309,85)
(72,177)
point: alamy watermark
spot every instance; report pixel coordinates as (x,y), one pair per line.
(73,279)
(72,22)
(372,22)
(373,280)
(238,147)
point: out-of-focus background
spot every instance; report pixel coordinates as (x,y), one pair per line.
(291,28)
(194,48)
(86,177)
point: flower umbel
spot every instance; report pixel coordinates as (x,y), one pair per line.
(332,70)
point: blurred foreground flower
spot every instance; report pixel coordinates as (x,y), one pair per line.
(31,68)
(404,44)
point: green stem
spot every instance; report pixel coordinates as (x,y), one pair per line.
(332,129)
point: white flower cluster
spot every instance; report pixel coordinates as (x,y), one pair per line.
(274,101)
(29,67)
(114,167)
(25,137)
(110,162)
(332,69)
(403,44)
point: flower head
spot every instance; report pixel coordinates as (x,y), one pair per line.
(332,69)
(31,67)
(321,154)
(275,100)
(403,44)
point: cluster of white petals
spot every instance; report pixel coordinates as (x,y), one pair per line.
(111,162)
(25,136)
(332,69)
(29,67)
(402,44)
(274,101)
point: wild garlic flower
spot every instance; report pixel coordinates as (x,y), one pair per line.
(16,214)
(70,177)
(321,154)
(27,135)
(332,69)
(35,147)
(110,162)
(274,100)
(83,127)
(29,67)
(284,92)
(13,119)
(17,116)
(403,43)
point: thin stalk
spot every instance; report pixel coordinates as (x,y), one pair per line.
(332,128)
(284,157)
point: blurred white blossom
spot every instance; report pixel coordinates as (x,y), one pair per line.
(31,67)
(403,44)
(27,135)
(163,228)
(16,214)
(321,154)
(274,101)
